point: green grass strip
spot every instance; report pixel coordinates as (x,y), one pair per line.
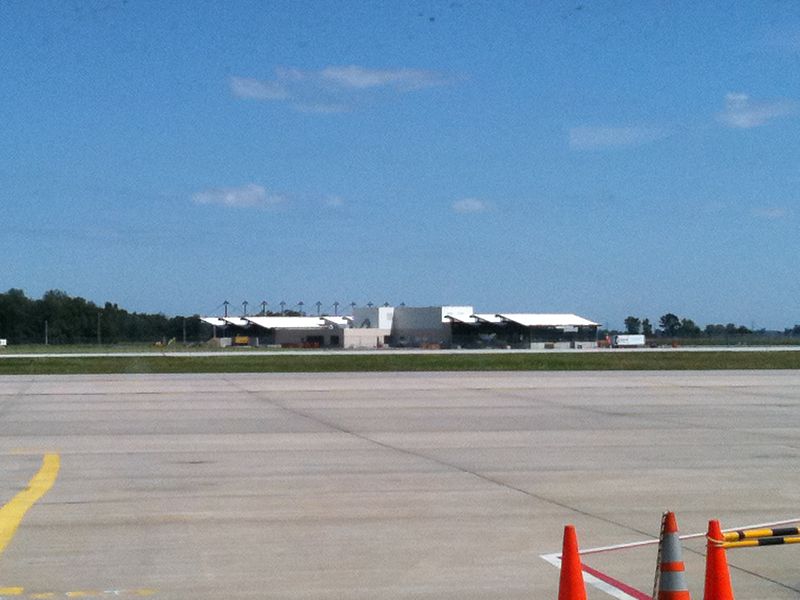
(330,362)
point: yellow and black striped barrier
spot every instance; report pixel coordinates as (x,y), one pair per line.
(746,534)
(750,538)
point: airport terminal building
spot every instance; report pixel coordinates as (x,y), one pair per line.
(409,327)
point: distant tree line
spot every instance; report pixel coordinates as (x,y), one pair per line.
(64,319)
(672,326)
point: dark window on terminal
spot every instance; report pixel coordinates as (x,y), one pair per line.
(315,341)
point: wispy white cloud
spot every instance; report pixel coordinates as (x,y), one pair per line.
(333,89)
(255,89)
(470,205)
(322,108)
(333,201)
(353,76)
(247,196)
(601,137)
(773,213)
(743,113)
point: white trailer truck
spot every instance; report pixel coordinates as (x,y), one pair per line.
(628,341)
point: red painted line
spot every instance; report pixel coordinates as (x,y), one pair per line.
(623,587)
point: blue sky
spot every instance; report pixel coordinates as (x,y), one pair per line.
(603,158)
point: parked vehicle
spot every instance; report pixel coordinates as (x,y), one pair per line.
(628,341)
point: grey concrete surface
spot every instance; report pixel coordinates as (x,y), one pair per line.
(379,486)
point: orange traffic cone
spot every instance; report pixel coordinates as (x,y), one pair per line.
(570,585)
(718,577)
(671,576)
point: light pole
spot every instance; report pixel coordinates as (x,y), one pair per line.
(225,304)
(319,304)
(283,306)
(244,308)
(335,309)
(264,307)
(301,304)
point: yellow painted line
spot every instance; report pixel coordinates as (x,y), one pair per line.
(42,595)
(12,513)
(11,591)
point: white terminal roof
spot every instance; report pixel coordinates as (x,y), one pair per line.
(338,321)
(547,320)
(459,313)
(215,321)
(555,320)
(237,321)
(487,318)
(475,318)
(460,319)
(288,322)
(279,322)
